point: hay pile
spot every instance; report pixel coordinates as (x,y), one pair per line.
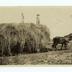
(22,38)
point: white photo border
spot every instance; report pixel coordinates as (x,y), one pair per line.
(36,3)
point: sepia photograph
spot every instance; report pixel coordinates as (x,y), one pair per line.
(36,35)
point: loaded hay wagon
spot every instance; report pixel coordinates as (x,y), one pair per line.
(24,38)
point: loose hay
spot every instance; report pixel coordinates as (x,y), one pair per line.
(30,37)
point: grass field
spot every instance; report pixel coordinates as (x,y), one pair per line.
(47,58)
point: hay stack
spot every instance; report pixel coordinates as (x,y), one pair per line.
(35,36)
(30,36)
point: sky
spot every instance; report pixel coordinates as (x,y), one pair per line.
(57,19)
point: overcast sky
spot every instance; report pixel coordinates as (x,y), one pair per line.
(58,19)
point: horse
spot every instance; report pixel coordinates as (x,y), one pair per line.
(60,40)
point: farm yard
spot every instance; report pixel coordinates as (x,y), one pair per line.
(30,44)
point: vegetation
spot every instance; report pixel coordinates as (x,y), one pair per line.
(48,58)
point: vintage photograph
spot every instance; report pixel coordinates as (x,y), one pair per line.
(35,35)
